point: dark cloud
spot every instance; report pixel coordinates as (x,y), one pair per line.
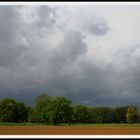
(9,24)
(37,56)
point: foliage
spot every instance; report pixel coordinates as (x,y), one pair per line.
(12,111)
(138,118)
(61,110)
(40,113)
(8,110)
(120,114)
(21,112)
(101,115)
(80,114)
(131,115)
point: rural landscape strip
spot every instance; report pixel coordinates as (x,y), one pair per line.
(58,116)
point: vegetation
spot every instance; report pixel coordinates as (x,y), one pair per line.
(80,114)
(60,111)
(132,114)
(12,111)
(120,114)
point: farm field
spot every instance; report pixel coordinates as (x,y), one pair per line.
(97,129)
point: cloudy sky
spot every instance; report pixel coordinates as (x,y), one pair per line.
(89,54)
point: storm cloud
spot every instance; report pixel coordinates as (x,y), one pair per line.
(90,54)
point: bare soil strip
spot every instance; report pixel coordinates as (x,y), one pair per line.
(68,130)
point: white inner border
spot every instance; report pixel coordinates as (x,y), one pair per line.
(70,4)
(69,136)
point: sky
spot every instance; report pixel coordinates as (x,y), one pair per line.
(89,54)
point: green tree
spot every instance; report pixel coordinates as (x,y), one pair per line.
(30,114)
(34,116)
(41,111)
(138,118)
(8,110)
(21,112)
(80,114)
(131,115)
(101,115)
(12,111)
(105,115)
(61,110)
(120,114)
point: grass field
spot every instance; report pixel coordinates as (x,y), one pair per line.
(77,129)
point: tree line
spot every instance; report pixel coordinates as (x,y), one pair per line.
(60,110)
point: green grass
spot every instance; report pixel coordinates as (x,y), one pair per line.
(78,124)
(19,124)
(103,124)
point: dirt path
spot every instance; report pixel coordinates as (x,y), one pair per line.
(68,130)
